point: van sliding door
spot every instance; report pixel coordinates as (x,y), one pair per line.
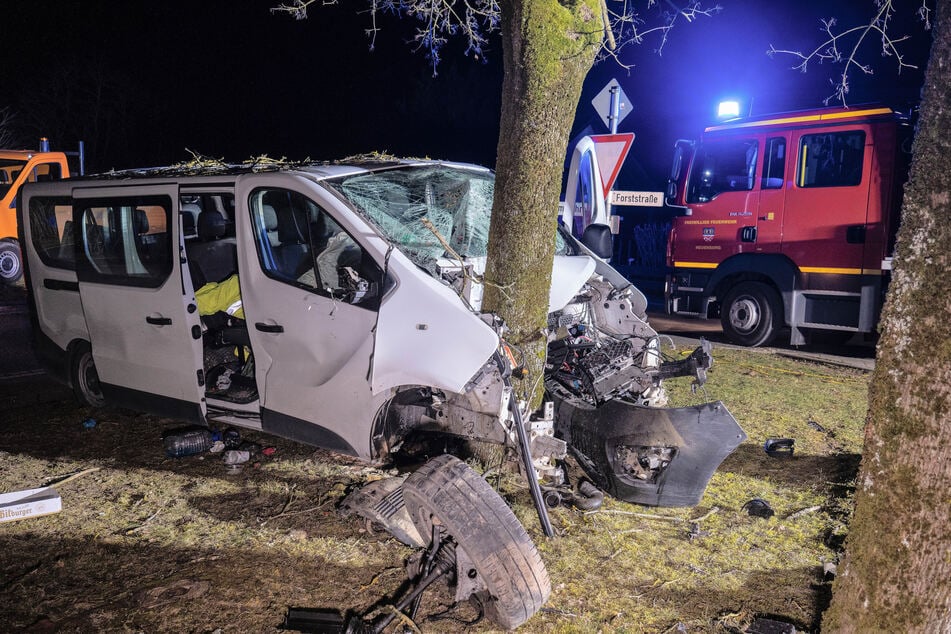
(144,329)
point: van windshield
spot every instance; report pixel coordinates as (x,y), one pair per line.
(9,170)
(418,206)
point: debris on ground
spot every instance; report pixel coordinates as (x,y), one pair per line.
(779,447)
(19,505)
(758,507)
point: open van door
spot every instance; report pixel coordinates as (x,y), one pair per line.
(584,203)
(143,323)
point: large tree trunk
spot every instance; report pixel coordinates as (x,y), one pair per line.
(548,48)
(896,575)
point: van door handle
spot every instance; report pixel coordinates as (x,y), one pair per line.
(263,327)
(159,321)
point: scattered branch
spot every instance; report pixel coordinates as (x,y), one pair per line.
(70,478)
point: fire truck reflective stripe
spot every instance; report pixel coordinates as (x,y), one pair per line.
(696,265)
(825,269)
(804,269)
(803,119)
(864,113)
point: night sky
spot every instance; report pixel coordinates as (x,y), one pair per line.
(143,82)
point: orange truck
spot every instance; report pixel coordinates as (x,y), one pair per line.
(16,168)
(788,221)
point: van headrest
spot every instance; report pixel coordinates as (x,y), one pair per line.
(211,225)
(140,221)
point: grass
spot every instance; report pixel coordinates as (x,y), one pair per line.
(149,543)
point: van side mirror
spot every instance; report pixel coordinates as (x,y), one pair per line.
(597,237)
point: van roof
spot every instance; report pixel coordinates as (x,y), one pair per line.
(202,167)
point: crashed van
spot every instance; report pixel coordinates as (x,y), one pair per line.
(360,326)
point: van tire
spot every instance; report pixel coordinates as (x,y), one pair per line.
(446,491)
(11,262)
(751,314)
(85,378)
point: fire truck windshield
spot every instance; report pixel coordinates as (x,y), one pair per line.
(722,166)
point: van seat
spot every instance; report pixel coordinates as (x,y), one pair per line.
(211,258)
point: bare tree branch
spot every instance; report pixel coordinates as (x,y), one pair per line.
(844,46)
(8,133)
(473,20)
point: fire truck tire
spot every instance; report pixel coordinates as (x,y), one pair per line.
(446,491)
(85,378)
(11,262)
(751,314)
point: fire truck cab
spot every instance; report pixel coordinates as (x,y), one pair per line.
(16,168)
(789,221)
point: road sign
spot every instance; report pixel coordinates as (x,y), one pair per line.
(637,199)
(611,150)
(602,103)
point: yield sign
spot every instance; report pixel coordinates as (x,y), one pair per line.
(611,150)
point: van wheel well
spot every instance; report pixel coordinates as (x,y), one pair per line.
(397,417)
(83,376)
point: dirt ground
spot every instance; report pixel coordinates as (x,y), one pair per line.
(156,544)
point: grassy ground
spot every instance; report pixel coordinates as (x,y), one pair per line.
(149,543)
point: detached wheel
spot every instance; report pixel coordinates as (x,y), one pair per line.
(751,314)
(85,378)
(11,262)
(445,491)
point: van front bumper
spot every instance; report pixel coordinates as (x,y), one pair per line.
(648,455)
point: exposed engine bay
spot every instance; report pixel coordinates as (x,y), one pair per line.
(607,403)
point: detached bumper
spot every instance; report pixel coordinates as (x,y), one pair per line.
(651,456)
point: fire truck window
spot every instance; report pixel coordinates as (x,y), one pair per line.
(722,166)
(774,169)
(833,159)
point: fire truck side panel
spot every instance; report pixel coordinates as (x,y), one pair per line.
(800,208)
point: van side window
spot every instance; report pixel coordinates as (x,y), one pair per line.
(51,230)
(831,159)
(722,166)
(299,243)
(775,166)
(124,241)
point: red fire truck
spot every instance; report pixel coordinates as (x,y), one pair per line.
(789,220)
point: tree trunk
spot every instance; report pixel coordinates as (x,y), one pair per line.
(896,574)
(548,48)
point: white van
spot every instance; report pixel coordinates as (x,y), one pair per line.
(360,292)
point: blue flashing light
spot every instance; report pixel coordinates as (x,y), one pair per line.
(728,109)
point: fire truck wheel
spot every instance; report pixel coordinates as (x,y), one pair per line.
(11,263)
(751,314)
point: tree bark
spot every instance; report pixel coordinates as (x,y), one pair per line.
(896,573)
(548,48)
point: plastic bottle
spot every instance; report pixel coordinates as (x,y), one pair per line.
(186,442)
